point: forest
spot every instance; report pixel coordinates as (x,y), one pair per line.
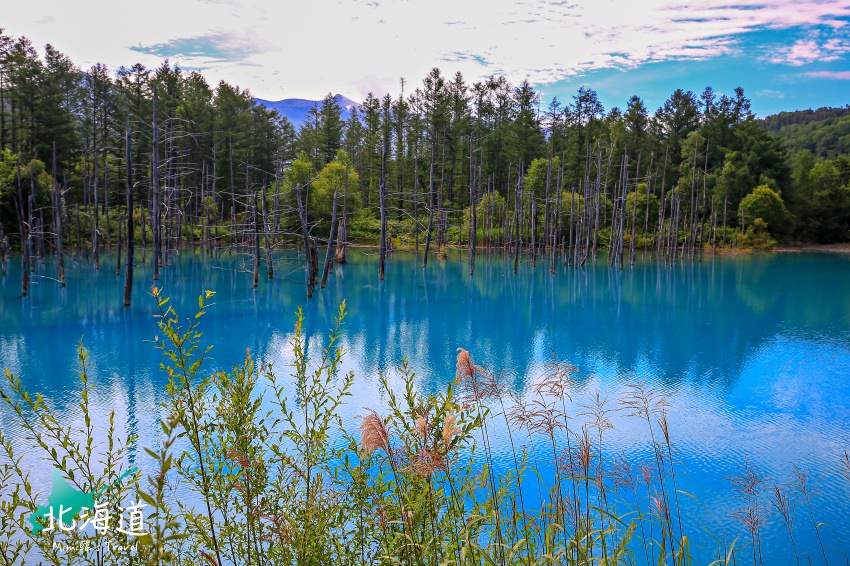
(92,156)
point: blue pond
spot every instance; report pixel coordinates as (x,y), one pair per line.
(752,354)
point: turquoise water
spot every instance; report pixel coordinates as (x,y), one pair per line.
(752,353)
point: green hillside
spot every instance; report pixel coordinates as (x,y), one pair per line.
(824,132)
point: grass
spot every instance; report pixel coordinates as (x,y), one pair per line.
(415,484)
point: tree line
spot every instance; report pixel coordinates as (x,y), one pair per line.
(98,160)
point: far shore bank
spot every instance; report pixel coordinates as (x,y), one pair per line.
(843,248)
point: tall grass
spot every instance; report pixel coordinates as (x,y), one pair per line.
(277,476)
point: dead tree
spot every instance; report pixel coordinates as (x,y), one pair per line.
(96,225)
(4,245)
(341,232)
(309,250)
(24,223)
(382,249)
(473,227)
(155,214)
(327,265)
(516,219)
(118,253)
(57,221)
(128,278)
(430,210)
(268,238)
(256,231)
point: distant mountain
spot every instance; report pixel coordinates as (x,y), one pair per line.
(825,132)
(296,109)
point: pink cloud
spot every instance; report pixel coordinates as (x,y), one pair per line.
(810,50)
(803,51)
(840,75)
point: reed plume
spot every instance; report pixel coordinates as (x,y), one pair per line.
(475,383)
(450,429)
(801,483)
(749,485)
(784,505)
(420,427)
(844,468)
(373,434)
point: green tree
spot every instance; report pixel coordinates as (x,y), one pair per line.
(332,178)
(329,131)
(829,219)
(765,203)
(10,168)
(637,203)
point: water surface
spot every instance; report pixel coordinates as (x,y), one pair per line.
(752,353)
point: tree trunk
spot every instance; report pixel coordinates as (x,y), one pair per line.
(31,219)
(118,253)
(95,245)
(3,251)
(472,220)
(128,272)
(547,208)
(155,214)
(327,265)
(106,200)
(57,215)
(430,211)
(416,197)
(341,233)
(308,248)
(516,219)
(314,264)
(79,237)
(25,239)
(256,242)
(634,214)
(382,194)
(266,230)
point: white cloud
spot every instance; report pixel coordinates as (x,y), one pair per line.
(300,49)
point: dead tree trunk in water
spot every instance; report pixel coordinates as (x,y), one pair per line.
(57,220)
(430,211)
(144,233)
(118,253)
(155,214)
(314,264)
(79,238)
(128,277)
(547,209)
(308,247)
(24,223)
(106,200)
(340,244)
(416,197)
(32,222)
(266,230)
(341,233)
(382,193)
(473,227)
(634,212)
(3,250)
(516,237)
(256,242)
(556,221)
(95,246)
(327,265)
(533,238)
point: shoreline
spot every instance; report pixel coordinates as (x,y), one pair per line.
(843,248)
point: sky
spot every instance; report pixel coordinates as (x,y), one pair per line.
(786,54)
